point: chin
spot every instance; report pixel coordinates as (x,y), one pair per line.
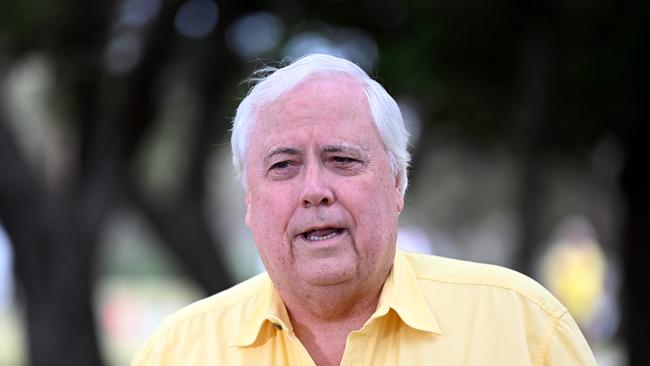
(319,276)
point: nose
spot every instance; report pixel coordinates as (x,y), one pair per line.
(316,190)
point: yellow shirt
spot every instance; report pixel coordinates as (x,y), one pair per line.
(432,311)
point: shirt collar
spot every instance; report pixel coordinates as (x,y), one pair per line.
(268,311)
(401,293)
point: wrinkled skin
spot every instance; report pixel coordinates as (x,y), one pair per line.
(321,199)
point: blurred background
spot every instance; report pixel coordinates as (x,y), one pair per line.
(118,203)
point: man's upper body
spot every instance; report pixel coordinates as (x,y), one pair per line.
(432,311)
(322,151)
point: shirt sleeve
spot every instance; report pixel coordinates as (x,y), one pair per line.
(149,353)
(567,345)
(142,357)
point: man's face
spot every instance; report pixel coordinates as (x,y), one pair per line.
(322,202)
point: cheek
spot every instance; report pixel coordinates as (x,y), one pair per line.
(375,208)
(267,220)
(267,214)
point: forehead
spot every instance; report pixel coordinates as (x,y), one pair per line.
(330,108)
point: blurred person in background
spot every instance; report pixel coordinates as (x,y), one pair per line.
(322,152)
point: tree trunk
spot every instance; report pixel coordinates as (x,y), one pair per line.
(53,263)
(531,88)
(58,299)
(636,252)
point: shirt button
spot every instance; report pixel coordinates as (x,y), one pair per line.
(277,326)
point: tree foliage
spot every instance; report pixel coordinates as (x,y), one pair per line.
(538,79)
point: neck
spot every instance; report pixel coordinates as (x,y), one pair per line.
(324,332)
(322,321)
(332,309)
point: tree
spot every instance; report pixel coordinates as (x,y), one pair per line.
(55,232)
(536,79)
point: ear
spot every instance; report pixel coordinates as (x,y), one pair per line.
(399,195)
(247,219)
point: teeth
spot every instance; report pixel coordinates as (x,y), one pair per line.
(310,236)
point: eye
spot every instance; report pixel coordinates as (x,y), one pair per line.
(280,165)
(343,159)
(347,164)
(283,169)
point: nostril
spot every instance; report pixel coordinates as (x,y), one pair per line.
(317,194)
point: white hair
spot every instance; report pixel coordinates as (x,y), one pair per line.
(271,83)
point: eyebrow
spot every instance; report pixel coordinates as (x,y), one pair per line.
(338,148)
(330,148)
(345,148)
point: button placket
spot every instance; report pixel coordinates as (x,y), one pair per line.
(355,348)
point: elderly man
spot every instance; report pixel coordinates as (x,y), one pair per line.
(321,148)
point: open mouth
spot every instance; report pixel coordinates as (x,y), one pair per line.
(322,234)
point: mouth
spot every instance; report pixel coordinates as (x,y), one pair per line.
(322,234)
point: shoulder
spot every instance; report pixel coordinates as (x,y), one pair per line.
(471,278)
(206,324)
(223,301)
